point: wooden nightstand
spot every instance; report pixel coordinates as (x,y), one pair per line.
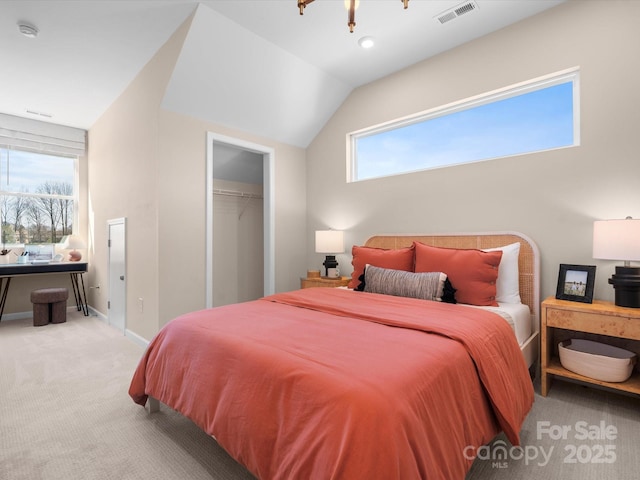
(324,282)
(599,321)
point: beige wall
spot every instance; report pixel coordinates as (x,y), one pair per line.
(553,197)
(182,169)
(148,165)
(238,255)
(123,182)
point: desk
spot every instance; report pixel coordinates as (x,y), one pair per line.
(75,269)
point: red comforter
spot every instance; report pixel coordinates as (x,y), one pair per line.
(335,384)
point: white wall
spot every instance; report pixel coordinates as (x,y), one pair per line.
(553,197)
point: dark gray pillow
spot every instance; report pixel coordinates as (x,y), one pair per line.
(425,285)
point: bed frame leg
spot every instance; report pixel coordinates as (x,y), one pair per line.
(153,405)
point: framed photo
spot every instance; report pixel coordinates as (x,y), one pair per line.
(575,283)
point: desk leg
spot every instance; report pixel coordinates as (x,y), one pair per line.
(79,294)
(5,290)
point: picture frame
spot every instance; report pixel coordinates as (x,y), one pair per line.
(575,283)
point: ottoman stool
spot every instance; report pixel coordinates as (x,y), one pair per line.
(49,305)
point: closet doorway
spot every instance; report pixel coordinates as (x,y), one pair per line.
(239,257)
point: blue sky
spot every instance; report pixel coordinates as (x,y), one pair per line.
(539,120)
(26,171)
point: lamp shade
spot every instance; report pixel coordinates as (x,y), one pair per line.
(329,241)
(617,240)
(74,242)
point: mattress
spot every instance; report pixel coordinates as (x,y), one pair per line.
(517,315)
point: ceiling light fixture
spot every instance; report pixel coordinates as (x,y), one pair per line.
(27,30)
(366,42)
(350,5)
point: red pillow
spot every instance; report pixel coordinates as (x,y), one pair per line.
(473,273)
(398,259)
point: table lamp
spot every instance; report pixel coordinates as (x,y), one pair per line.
(73,243)
(330,242)
(620,240)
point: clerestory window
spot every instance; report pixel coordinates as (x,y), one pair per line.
(534,116)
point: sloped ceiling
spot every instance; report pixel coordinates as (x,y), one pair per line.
(254,65)
(85,55)
(230,75)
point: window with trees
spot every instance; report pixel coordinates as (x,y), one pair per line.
(37,196)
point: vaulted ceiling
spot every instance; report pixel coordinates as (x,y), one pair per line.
(254,65)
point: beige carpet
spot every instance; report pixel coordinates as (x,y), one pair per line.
(558,447)
(65,414)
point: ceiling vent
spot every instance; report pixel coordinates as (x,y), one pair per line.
(457,11)
(41,114)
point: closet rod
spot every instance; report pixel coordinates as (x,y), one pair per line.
(235,193)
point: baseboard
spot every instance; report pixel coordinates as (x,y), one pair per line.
(29,314)
(137,339)
(17,315)
(134,337)
(96,313)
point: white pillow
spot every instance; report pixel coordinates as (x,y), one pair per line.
(508,283)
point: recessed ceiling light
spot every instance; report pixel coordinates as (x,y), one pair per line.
(366,42)
(27,30)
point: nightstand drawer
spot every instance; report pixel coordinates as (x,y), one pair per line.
(592,323)
(324,282)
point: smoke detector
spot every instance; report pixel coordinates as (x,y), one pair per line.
(27,30)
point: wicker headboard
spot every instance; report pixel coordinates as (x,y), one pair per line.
(528,262)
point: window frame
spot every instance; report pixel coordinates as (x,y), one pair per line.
(74,197)
(569,75)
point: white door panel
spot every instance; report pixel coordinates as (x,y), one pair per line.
(117,274)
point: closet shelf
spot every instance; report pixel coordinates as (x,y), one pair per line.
(236,193)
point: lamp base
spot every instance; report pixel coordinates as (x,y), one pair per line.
(626,283)
(75,256)
(330,265)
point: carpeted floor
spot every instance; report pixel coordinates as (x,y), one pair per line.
(575,433)
(65,414)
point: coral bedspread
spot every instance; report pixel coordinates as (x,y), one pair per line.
(334,384)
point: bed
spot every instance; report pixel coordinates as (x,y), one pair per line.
(526,314)
(328,383)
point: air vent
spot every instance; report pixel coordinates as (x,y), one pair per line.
(457,11)
(41,114)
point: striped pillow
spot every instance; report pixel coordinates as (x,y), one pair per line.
(426,285)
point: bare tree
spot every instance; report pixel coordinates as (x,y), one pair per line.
(49,206)
(5,207)
(36,221)
(19,210)
(65,207)
(27,219)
